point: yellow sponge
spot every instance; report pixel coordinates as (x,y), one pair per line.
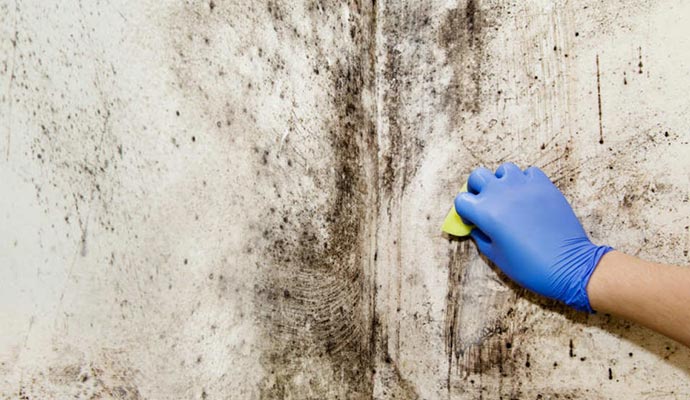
(453,224)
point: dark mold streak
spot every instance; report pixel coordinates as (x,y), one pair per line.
(401,157)
(639,64)
(601,126)
(313,296)
(462,36)
(494,350)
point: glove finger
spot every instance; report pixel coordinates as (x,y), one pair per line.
(478,179)
(483,242)
(535,172)
(466,205)
(508,170)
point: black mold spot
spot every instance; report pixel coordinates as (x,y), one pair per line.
(639,64)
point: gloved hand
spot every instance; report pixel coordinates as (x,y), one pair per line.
(526,227)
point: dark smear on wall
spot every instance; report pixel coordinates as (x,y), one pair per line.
(105,379)
(314,297)
(639,64)
(462,35)
(601,126)
(394,385)
(491,350)
(401,157)
(313,292)
(573,394)
(456,263)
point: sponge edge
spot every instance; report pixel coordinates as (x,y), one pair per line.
(453,224)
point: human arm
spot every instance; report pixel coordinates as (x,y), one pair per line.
(527,228)
(651,294)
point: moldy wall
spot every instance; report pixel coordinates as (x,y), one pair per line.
(223,199)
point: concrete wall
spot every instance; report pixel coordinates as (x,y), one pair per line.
(225,200)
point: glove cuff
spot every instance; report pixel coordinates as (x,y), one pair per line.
(580,300)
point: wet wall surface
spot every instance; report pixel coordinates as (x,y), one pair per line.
(242,199)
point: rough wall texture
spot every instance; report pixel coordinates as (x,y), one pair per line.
(242,199)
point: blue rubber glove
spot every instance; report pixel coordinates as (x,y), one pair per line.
(526,227)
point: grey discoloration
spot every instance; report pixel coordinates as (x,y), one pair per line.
(105,380)
(482,340)
(312,297)
(403,146)
(462,34)
(312,285)
(476,348)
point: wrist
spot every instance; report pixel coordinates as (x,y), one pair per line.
(601,282)
(589,259)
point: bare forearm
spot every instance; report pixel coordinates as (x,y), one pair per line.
(654,295)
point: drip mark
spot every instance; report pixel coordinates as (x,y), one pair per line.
(639,64)
(601,128)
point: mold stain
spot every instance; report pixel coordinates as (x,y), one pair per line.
(91,380)
(462,35)
(601,125)
(313,306)
(313,297)
(477,339)
(485,347)
(401,155)
(312,293)
(12,72)
(639,63)
(455,266)
(391,384)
